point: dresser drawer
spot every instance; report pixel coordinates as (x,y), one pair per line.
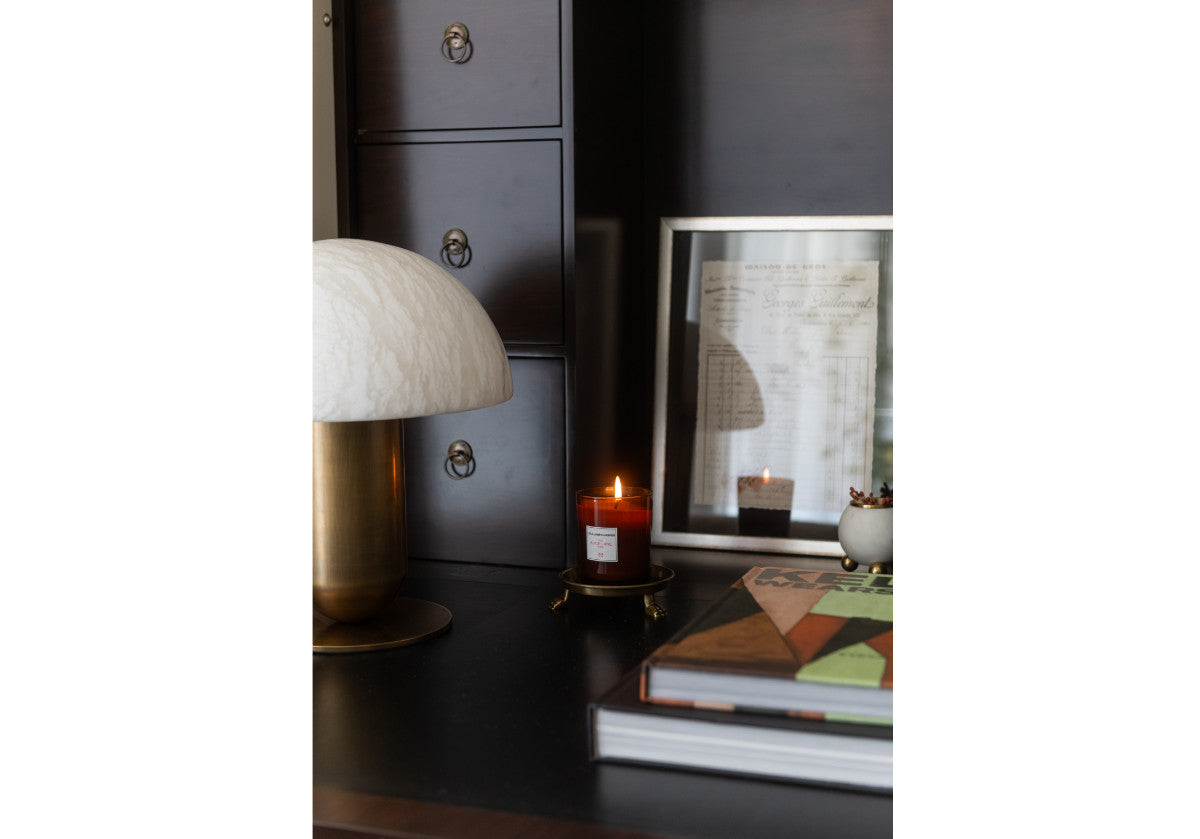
(505,196)
(403,82)
(511,510)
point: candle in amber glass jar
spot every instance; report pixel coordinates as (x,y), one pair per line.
(614,534)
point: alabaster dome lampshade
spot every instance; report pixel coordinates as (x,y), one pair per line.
(394,336)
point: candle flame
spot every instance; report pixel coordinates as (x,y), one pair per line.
(766,475)
(617,488)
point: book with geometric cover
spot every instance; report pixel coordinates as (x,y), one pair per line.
(786,748)
(816,644)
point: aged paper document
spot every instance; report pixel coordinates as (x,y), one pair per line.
(786,379)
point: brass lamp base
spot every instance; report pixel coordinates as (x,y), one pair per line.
(359,556)
(406,620)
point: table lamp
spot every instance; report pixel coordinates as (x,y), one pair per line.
(394,336)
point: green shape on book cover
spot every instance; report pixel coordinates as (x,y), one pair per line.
(858,718)
(856,664)
(854,604)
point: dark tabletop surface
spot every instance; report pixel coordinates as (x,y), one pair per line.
(494,713)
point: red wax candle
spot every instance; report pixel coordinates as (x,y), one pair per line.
(614,534)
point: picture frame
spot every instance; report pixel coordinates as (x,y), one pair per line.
(773,379)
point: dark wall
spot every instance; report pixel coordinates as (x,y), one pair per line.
(705,108)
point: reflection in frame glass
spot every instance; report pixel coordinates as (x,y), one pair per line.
(773,379)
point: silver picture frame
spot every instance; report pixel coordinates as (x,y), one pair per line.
(803,378)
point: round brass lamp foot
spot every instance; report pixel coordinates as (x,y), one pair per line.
(406,620)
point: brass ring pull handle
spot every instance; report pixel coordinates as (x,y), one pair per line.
(456,43)
(456,253)
(460,457)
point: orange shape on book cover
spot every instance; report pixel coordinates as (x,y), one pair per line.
(811,636)
(750,638)
(882,644)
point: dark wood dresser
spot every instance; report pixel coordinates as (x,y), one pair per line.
(467,132)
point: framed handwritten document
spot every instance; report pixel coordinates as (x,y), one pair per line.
(773,381)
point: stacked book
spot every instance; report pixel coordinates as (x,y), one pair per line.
(787,675)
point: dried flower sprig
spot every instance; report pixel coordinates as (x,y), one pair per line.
(884,499)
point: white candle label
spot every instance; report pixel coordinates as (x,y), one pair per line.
(775,494)
(601,544)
